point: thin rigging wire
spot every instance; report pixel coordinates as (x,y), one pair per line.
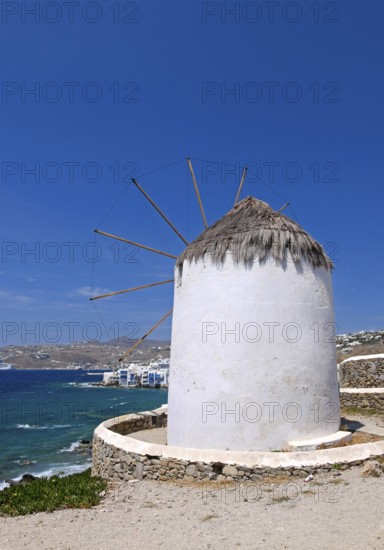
(151,268)
(93,265)
(129,185)
(101,320)
(154,222)
(145,202)
(187,178)
(92,286)
(285,199)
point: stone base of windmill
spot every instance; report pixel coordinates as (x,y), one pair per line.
(159,436)
(320,442)
(133,447)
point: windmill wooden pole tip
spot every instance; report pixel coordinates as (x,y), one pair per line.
(243,176)
(283,207)
(197,192)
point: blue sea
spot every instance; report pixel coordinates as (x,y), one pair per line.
(45,414)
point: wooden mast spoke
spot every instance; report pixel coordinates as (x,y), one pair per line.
(131,289)
(135,244)
(283,207)
(197,191)
(159,211)
(241,185)
(145,335)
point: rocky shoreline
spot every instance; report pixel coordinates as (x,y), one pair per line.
(84,447)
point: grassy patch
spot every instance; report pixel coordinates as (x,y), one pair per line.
(364,437)
(356,439)
(47,495)
(358,411)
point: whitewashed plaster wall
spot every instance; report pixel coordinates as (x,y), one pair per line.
(273,379)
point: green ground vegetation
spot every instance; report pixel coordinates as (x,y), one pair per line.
(46,495)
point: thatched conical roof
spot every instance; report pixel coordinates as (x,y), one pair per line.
(252,230)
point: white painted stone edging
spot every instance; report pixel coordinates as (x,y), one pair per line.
(250,459)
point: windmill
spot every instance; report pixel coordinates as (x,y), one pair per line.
(253,269)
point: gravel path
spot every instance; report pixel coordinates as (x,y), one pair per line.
(339,510)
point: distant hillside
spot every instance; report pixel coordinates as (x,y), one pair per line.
(126,342)
(359,343)
(106,355)
(85,354)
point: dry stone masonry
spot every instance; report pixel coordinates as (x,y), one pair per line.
(363,400)
(362,372)
(362,382)
(113,462)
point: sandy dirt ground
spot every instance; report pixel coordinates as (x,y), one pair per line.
(337,510)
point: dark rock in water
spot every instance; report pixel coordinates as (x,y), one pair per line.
(11,482)
(85,442)
(28,478)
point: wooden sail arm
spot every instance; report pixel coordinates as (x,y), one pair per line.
(283,207)
(131,289)
(197,192)
(145,336)
(159,211)
(241,185)
(135,244)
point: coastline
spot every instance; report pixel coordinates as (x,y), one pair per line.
(45,414)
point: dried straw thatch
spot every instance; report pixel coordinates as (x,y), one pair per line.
(252,230)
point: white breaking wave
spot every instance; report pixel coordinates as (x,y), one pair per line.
(62,470)
(72,448)
(83,385)
(34,427)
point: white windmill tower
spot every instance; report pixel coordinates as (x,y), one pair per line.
(253,366)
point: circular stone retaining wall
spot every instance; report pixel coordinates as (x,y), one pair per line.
(117,456)
(363,371)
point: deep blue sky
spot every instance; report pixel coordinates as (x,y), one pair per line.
(307,98)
